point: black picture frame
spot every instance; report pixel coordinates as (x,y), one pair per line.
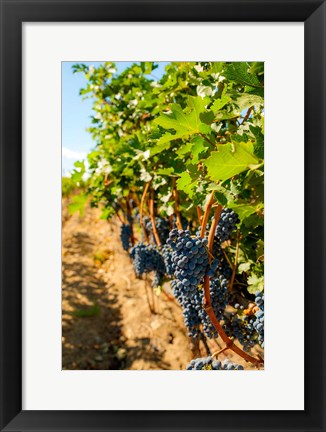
(13,14)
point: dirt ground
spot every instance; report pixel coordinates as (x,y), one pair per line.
(108,321)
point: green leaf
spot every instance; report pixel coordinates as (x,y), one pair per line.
(77,174)
(186,184)
(204,91)
(186,122)
(78,204)
(224,115)
(161,146)
(223,195)
(200,146)
(207,117)
(238,72)
(230,160)
(255,283)
(165,171)
(244,267)
(259,144)
(220,103)
(184,149)
(246,100)
(244,210)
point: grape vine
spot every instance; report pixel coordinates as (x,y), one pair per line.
(179,162)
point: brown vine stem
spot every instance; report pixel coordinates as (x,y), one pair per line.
(228,259)
(217,353)
(206,215)
(207,139)
(235,265)
(208,306)
(117,214)
(211,235)
(141,209)
(199,214)
(170,298)
(176,200)
(151,212)
(247,114)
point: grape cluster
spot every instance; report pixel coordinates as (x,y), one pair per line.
(190,310)
(166,252)
(190,264)
(223,266)
(226,224)
(147,258)
(208,363)
(125,236)
(162,227)
(259,322)
(219,296)
(189,260)
(241,327)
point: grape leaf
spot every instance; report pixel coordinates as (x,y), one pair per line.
(255,283)
(199,146)
(186,183)
(186,122)
(244,210)
(259,144)
(238,71)
(247,100)
(230,160)
(220,103)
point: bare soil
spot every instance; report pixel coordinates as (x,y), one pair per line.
(106,319)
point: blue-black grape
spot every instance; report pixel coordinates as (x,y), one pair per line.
(259,321)
(226,224)
(190,263)
(189,259)
(225,227)
(162,227)
(208,363)
(125,236)
(241,327)
(166,252)
(146,259)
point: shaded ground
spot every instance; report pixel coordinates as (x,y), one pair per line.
(106,319)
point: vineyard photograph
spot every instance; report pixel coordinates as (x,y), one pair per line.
(163,216)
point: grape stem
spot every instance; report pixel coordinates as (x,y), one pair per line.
(141,208)
(217,353)
(199,214)
(119,217)
(207,300)
(206,214)
(207,139)
(228,259)
(247,115)
(151,212)
(176,201)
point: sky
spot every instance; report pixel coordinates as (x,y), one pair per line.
(76,113)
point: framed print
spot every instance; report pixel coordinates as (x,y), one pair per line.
(133,276)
